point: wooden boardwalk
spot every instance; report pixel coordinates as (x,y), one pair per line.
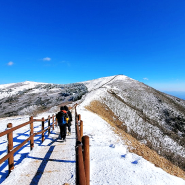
(54,162)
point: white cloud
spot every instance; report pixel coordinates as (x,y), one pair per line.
(46,59)
(10,63)
(145,78)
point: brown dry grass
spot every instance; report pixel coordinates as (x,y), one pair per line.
(133,144)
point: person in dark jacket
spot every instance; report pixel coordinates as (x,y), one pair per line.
(69,120)
(61,118)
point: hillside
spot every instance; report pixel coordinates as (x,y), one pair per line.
(150,123)
(155,119)
(31,97)
(53,161)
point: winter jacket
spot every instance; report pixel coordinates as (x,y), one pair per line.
(60,114)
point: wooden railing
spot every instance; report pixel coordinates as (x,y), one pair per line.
(82,153)
(82,145)
(9,133)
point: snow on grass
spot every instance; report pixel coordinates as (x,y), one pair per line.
(110,161)
(94,84)
(7,90)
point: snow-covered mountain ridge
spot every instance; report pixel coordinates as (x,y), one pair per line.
(154,118)
(31,97)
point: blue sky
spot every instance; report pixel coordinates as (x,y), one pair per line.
(72,41)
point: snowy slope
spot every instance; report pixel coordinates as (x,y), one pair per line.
(152,117)
(112,163)
(32,97)
(110,160)
(8,90)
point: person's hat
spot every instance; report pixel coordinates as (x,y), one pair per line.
(62,108)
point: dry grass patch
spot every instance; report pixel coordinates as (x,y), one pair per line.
(133,144)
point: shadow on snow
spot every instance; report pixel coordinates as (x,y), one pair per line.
(37,140)
(42,166)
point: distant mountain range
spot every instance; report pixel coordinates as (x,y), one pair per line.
(32,97)
(154,118)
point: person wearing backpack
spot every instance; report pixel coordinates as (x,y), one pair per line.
(69,120)
(61,118)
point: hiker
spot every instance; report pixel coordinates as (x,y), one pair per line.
(61,118)
(69,120)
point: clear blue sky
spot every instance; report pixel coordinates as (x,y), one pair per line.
(66,41)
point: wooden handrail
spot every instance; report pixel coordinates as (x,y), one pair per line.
(14,150)
(83,162)
(37,120)
(9,133)
(82,154)
(19,146)
(40,132)
(14,128)
(41,119)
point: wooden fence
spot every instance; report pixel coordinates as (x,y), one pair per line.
(82,153)
(82,145)
(9,133)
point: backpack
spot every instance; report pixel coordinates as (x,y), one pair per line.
(62,120)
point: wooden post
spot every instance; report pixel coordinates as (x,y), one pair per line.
(56,122)
(81,128)
(31,133)
(79,117)
(86,158)
(10,147)
(76,119)
(75,112)
(48,125)
(78,133)
(80,170)
(43,129)
(53,119)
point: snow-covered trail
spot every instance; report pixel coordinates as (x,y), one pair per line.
(110,161)
(53,162)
